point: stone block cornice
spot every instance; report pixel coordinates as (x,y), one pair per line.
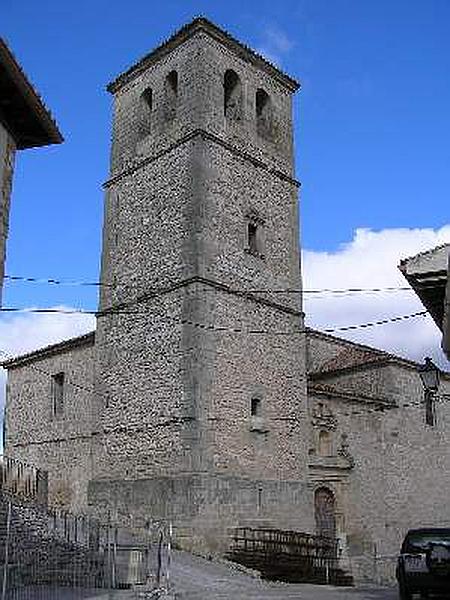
(205,135)
(123,306)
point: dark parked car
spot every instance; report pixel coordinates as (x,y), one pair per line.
(424,563)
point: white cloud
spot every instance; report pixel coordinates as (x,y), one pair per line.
(371,260)
(28,331)
(275,43)
(278,39)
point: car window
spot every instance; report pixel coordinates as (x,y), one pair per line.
(420,542)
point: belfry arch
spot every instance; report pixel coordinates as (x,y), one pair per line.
(232,96)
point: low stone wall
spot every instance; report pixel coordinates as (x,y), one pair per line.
(204,508)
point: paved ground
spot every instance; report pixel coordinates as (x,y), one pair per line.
(197,579)
(194,578)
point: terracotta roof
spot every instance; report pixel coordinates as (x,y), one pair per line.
(353,356)
(349,358)
(335,390)
(187,31)
(22,111)
(83,340)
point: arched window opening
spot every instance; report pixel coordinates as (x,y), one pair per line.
(147,98)
(171,95)
(146,112)
(325,443)
(172,80)
(325,512)
(232,96)
(264,116)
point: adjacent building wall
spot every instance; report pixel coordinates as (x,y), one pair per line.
(7,154)
(399,466)
(61,443)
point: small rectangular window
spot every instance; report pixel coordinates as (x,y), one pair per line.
(252,238)
(256,407)
(58,394)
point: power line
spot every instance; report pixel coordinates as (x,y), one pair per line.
(62,311)
(56,281)
(339,291)
(381,408)
(421,313)
(206,326)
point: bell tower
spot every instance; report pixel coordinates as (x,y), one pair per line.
(200,338)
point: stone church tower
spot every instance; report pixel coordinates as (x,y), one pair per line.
(199,412)
(200,374)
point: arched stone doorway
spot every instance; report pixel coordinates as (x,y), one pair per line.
(325,512)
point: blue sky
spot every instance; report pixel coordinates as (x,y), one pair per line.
(372,127)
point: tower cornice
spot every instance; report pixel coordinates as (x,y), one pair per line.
(201,24)
(206,135)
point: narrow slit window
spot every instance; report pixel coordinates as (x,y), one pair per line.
(58,394)
(252,241)
(256,407)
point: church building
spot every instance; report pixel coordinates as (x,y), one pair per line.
(201,397)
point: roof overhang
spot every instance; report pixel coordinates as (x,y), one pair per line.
(22,111)
(87,339)
(428,273)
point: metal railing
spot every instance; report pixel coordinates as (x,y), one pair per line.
(22,480)
(286,555)
(53,555)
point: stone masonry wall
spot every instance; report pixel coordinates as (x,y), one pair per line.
(205,508)
(177,365)
(231,189)
(59,444)
(401,466)
(142,407)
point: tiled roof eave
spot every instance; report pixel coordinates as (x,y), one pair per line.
(87,339)
(331,391)
(36,114)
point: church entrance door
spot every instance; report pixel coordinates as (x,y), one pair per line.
(325,514)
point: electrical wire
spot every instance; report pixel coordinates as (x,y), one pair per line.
(339,291)
(208,327)
(382,407)
(421,313)
(55,281)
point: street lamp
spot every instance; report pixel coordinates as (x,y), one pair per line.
(429,375)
